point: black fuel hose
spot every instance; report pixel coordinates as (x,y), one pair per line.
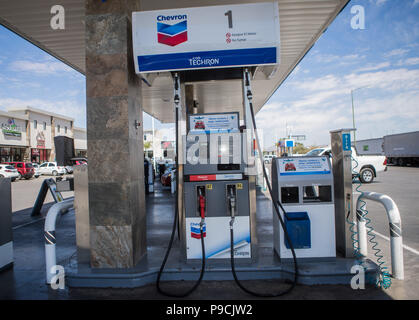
(276,204)
(175,222)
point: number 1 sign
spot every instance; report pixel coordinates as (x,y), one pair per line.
(206,37)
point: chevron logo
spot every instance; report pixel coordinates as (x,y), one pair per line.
(172,34)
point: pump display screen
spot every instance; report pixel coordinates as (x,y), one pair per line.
(214,123)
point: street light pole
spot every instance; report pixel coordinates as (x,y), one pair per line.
(353,114)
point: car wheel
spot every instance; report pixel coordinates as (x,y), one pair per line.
(1,176)
(54,173)
(366,175)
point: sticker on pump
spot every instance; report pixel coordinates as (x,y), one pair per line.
(196,230)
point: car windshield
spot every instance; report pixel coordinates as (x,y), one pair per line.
(28,165)
(314,152)
(9,167)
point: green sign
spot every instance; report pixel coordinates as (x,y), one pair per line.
(11,129)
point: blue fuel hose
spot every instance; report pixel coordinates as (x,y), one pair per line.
(384,279)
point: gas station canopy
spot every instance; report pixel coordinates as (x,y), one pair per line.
(301,23)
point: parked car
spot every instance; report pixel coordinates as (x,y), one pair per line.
(79,161)
(25,169)
(36,168)
(68,169)
(51,168)
(368,166)
(8,171)
(166,178)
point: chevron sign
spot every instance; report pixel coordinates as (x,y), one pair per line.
(172,34)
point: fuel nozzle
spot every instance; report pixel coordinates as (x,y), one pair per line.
(201,203)
(231,196)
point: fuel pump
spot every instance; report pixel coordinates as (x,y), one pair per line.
(201,205)
(276,204)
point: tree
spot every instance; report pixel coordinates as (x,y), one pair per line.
(147,145)
(300,149)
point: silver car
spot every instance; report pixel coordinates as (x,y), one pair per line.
(51,168)
(8,171)
(36,168)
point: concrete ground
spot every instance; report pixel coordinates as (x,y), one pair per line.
(27,278)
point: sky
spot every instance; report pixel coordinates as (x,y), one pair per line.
(380,63)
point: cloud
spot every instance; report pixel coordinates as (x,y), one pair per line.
(342,60)
(396,52)
(380,2)
(409,61)
(390,102)
(40,68)
(371,67)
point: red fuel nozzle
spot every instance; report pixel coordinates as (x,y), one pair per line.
(202,206)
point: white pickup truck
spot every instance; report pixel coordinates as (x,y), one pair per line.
(367,168)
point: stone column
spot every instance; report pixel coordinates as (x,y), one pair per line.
(117,212)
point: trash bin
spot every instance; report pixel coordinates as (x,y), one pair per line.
(6,235)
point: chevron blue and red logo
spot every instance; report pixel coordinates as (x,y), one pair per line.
(196,230)
(172,34)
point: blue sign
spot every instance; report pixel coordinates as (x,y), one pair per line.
(289,143)
(207,59)
(346,141)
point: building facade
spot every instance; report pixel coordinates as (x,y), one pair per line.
(27,134)
(80,142)
(14,140)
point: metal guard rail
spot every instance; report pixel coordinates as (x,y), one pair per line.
(396,240)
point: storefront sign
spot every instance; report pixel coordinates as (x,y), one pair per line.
(206,37)
(11,129)
(40,140)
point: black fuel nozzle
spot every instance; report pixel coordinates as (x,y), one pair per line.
(249,95)
(232,201)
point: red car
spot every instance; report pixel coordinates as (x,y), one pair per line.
(25,169)
(290,167)
(166,178)
(200,125)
